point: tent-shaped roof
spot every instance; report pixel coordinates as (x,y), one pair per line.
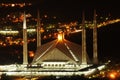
(59,51)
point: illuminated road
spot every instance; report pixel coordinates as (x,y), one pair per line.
(103,24)
(108,22)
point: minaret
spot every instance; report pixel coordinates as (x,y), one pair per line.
(25,54)
(95,54)
(38,31)
(84,59)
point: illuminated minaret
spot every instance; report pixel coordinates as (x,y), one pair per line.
(95,54)
(25,54)
(84,59)
(38,31)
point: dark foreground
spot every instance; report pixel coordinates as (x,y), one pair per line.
(4,77)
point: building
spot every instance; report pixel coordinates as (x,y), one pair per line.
(59,53)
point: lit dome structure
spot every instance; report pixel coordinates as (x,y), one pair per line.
(59,53)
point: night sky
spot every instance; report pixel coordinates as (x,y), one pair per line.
(72,8)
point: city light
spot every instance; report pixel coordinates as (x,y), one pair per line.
(113,75)
(31,53)
(15,4)
(4,32)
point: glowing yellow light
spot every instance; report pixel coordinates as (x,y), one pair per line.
(45,37)
(13,5)
(41,30)
(31,53)
(113,75)
(60,37)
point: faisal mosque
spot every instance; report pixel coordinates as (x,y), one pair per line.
(59,57)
